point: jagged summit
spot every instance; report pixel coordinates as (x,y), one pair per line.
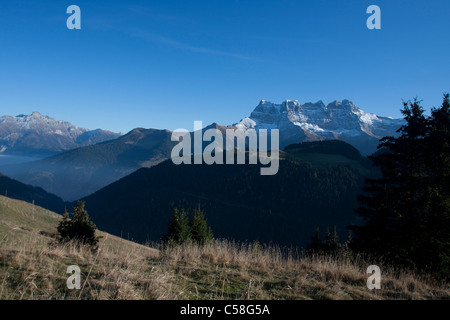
(316,121)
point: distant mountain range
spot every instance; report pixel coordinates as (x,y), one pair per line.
(79,172)
(83,170)
(37,134)
(316,186)
(130,185)
(317,121)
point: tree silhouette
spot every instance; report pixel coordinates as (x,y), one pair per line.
(80,228)
(200,232)
(178,228)
(407,209)
(181,229)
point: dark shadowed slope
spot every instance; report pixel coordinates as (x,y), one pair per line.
(17,190)
(238,202)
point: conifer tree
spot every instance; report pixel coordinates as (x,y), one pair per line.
(200,231)
(64,226)
(331,243)
(181,229)
(80,228)
(407,209)
(315,245)
(178,228)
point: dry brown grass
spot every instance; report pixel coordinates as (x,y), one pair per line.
(33,271)
(33,266)
(228,270)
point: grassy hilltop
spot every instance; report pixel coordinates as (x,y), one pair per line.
(33,266)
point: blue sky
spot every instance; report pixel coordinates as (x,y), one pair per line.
(164,64)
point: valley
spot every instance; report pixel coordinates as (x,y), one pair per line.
(87,169)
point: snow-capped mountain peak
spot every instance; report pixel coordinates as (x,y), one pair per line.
(41,134)
(317,121)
